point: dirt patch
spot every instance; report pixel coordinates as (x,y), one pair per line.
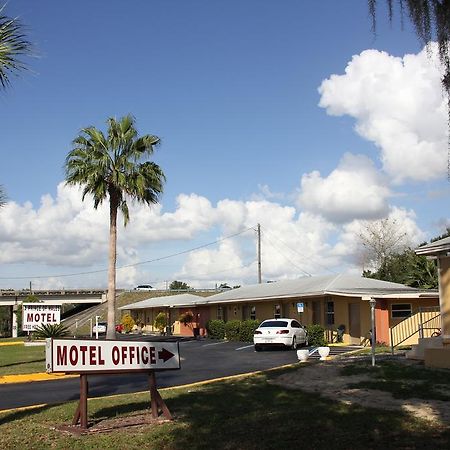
(108,425)
(324,378)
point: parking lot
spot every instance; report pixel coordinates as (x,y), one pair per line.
(200,360)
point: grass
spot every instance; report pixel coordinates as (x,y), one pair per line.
(244,414)
(18,359)
(402,381)
(380,350)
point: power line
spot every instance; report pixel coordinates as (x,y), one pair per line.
(130,265)
(299,254)
(282,254)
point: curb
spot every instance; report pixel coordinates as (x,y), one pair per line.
(31,377)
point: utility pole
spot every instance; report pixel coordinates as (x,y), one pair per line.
(258,230)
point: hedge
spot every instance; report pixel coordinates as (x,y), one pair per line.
(232,328)
(216,329)
(316,335)
(247,330)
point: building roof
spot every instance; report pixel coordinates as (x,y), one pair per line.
(341,284)
(167,302)
(435,248)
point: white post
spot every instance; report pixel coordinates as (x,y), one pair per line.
(14,322)
(373,302)
(96,326)
(90,322)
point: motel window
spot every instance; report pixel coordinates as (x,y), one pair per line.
(277,311)
(219,313)
(330,313)
(253,313)
(401,310)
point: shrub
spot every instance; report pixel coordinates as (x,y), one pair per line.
(160,322)
(216,329)
(127,322)
(316,335)
(186,319)
(247,330)
(232,328)
(50,330)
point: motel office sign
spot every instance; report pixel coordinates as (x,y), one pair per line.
(37,314)
(93,356)
(89,356)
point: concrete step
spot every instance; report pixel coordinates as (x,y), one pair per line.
(418,351)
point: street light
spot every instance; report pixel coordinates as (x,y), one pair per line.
(372,303)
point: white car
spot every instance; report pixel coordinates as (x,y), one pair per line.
(143,287)
(280,333)
(101,327)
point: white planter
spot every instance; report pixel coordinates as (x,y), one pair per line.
(323,352)
(302,355)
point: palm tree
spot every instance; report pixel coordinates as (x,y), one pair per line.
(13,44)
(113,167)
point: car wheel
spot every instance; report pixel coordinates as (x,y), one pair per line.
(294,343)
(258,348)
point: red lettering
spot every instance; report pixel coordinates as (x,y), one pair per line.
(73,355)
(61,355)
(138,355)
(30,317)
(124,354)
(83,350)
(101,361)
(152,355)
(92,360)
(145,357)
(49,317)
(132,354)
(115,355)
(53,317)
(37,316)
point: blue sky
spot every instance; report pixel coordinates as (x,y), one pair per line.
(232,89)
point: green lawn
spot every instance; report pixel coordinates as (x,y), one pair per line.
(402,381)
(244,414)
(17,359)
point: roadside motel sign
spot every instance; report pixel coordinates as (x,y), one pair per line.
(90,356)
(300,307)
(37,314)
(74,355)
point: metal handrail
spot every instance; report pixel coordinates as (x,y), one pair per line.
(415,325)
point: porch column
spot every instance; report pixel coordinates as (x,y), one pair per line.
(444,297)
(382,321)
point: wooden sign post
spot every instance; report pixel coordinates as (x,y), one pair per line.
(111,357)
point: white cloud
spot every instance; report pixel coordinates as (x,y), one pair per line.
(398,104)
(354,190)
(65,235)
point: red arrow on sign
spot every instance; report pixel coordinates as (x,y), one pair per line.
(165,354)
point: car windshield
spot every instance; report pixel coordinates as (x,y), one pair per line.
(274,324)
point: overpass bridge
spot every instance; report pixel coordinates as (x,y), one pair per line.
(10,297)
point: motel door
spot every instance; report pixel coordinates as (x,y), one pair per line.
(354,316)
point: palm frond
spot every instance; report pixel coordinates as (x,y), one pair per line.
(13,45)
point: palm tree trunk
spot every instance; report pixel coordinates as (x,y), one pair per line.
(111,296)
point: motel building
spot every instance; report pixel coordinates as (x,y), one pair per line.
(402,314)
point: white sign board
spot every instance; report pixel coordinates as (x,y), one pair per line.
(36,314)
(300,307)
(89,355)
